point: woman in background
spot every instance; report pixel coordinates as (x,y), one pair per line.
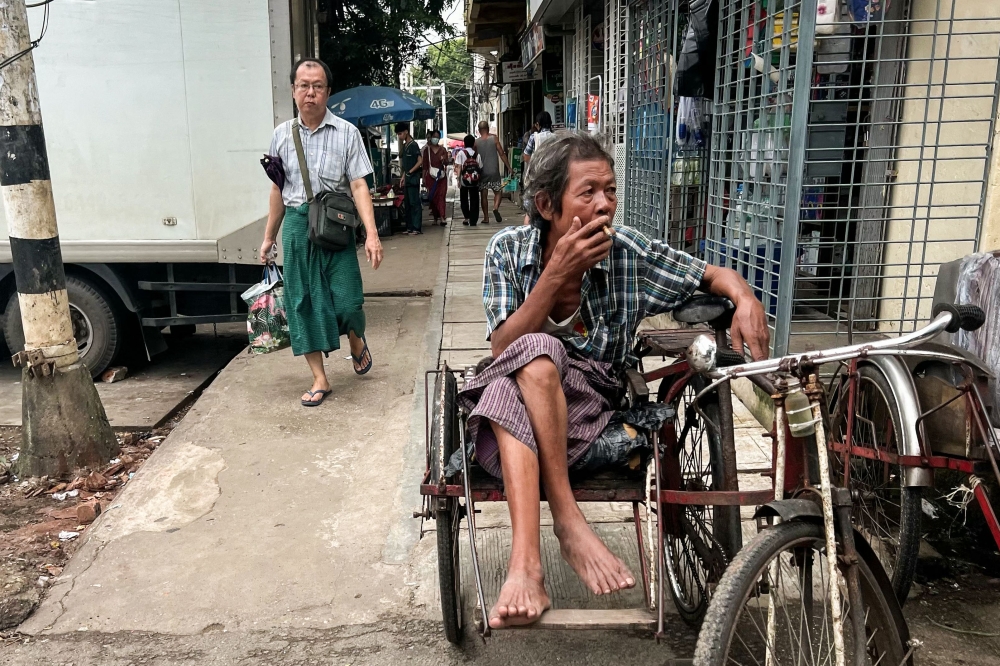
(435,177)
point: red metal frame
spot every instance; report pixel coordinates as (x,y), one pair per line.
(496,494)
(987,508)
(930,462)
(716,497)
(927,459)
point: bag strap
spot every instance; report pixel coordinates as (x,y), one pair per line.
(302,159)
(272,274)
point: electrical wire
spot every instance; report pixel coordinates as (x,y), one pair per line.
(6,62)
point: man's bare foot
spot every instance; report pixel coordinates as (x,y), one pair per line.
(599,569)
(522,601)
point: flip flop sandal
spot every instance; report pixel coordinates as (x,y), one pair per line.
(498,216)
(357,360)
(314,402)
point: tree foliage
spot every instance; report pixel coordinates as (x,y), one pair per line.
(369,42)
(450,63)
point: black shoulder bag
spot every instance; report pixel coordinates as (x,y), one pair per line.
(333,217)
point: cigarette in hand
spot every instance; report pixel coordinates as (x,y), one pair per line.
(609,231)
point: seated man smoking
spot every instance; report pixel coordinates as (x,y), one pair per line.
(564,296)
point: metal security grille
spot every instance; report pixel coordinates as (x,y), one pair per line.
(838,199)
(576,81)
(666,186)
(615,76)
(621,177)
(581,67)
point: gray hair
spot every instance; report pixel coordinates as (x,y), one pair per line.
(549,169)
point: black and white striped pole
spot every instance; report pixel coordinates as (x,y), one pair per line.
(64,426)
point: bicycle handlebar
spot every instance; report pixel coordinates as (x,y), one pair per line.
(965,317)
(946,318)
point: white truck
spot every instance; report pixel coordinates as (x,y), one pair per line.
(156,114)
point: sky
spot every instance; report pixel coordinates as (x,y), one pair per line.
(454,16)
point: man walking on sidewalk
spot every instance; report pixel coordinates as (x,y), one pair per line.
(411,163)
(489,148)
(468,180)
(323,290)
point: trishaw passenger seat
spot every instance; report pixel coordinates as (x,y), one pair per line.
(484,363)
(716,311)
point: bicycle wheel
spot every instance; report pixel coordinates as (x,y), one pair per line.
(696,546)
(447,510)
(886,512)
(785,568)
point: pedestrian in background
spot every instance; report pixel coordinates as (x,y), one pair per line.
(323,290)
(410,161)
(543,123)
(434,162)
(489,148)
(468,191)
(543,131)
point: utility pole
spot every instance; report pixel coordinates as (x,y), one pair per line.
(444,116)
(64,426)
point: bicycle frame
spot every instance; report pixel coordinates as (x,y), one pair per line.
(975,413)
(789,462)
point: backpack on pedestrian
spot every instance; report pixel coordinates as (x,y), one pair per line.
(471,171)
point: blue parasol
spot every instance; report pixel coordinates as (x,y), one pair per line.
(367,106)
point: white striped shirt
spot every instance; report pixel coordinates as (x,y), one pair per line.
(335,156)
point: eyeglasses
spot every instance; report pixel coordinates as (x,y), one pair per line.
(305,87)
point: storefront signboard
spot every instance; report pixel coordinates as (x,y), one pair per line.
(532,44)
(512,72)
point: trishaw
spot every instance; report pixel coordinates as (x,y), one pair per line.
(808,589)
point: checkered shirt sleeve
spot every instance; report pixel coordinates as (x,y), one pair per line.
(530,146)
(671,277)
(357,163)
(502,293)
(667,277)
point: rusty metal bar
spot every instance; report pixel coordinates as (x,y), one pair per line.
(716,497)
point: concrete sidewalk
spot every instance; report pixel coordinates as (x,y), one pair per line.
(258,513)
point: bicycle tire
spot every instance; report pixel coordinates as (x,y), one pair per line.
(747,575)
(447,522)
(875,512)
(689,577)
(448,512)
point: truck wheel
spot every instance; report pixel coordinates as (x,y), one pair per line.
(96,325)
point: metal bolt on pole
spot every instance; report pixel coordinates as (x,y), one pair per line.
(64,426)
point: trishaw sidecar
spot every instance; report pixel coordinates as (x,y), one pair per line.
(685,501)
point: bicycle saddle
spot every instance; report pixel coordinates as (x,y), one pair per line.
(716,311)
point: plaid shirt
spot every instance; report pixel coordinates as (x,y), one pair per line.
(640,278)
(335,155)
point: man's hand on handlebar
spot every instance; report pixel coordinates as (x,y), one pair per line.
(749,325)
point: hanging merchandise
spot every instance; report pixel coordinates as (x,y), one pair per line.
(834,53)
(864,11)
(778,36)
(692,122)
(695,76)
(826,16)
(593,113)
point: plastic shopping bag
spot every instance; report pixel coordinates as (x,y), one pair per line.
(267,324)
